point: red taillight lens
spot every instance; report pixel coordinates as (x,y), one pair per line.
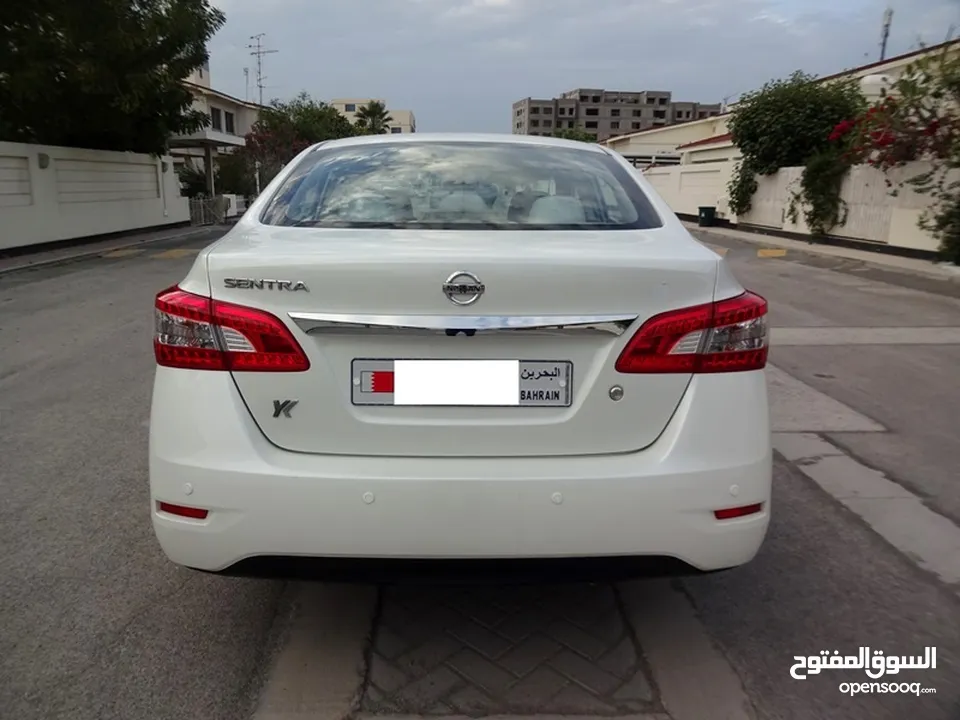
(737,512)
(183,511)
(199,333)
(725,336)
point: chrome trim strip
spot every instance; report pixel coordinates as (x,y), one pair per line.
(334,322)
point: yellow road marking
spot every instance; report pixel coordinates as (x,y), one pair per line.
(771,252)
(126,252)
(175,253)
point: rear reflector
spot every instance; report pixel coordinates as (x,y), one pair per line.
(199,333)
(731,513)
(183,511)
(725,336)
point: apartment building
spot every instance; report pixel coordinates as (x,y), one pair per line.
(605,113)
(403,120)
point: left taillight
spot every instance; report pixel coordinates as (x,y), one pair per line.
(199,333)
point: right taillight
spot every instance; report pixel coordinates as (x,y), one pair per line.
(199,333)
(725,336)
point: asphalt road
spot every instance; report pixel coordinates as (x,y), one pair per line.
(95,623)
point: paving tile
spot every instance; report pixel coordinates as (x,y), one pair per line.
(584,673)
(621,660)
(427,691)
(512,650)
(536,690)
(528,655)
(636,688)
(481,672)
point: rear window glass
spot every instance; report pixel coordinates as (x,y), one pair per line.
(460,185)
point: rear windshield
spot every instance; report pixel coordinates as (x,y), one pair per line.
(460,185)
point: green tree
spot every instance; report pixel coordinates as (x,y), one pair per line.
(284,129)
(236,174)
(373,118)
(575,134)
(193,181)
(102,74)
(787,123)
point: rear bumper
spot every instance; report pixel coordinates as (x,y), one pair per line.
(263,501)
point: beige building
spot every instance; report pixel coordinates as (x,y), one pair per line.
(708,140)
(230,120)
(605,113)
(403,120)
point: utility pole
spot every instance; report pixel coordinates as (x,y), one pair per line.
(885,33)
(258,51)
(246,83)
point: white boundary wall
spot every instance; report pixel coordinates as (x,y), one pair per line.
(873,214)
(56,193)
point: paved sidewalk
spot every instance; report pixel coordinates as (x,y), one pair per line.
(926,268)
(80,251)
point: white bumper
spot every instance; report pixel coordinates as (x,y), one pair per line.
(205,451)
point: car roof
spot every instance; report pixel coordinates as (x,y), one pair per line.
(498,138)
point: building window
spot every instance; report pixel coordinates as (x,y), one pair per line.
(702,114)
(216,118)
(650,101)
(534,111)
(595,98)
(660,113)
(561,111)
(592,112)
(534,123)
(350,107)
(396,130)
(571,124)
(635,126)
(548,111)
(663,101)
(615,125)
(591,124)
(548,123)
(228,118)
(615,112)
(638,113)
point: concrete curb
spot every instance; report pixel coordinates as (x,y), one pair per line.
(64,259)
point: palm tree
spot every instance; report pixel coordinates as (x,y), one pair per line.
(374,118)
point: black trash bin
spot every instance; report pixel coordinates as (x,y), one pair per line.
(707,216)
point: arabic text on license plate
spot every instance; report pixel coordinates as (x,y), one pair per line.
(471,383)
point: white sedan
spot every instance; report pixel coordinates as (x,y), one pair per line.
(459,347)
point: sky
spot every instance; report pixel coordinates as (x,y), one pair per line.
(459,65)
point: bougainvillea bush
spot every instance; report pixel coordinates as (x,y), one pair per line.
(918,121)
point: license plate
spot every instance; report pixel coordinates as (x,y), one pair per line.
(462,383)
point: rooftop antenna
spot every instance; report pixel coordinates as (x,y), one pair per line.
(246,83)
(885,32)
(258,51)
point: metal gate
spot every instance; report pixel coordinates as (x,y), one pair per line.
(207,211)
